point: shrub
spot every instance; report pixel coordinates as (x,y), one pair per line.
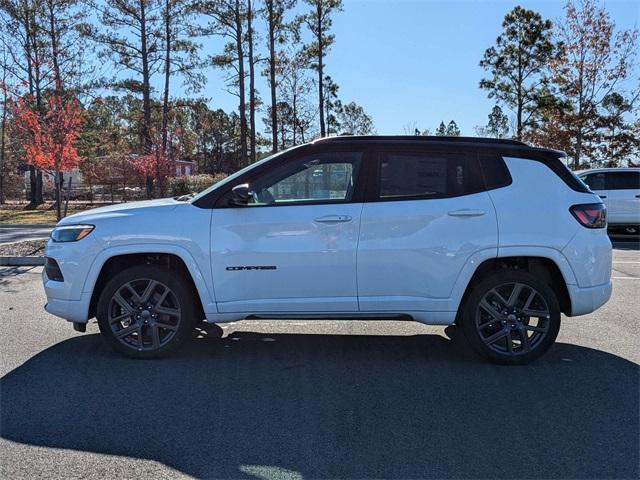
(192,183)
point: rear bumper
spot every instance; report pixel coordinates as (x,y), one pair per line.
(588,299)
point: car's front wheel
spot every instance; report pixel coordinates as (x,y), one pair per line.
(511,317)
(146,311)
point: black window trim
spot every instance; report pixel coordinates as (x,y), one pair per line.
(366,184)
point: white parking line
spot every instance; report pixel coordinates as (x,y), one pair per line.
(626,278)
(624,261)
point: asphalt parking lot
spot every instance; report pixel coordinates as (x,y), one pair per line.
(319,399)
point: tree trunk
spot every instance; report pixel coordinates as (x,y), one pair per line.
(53,38)
(146,94)
(252,90)
(33,72)
(272,78)
(3,125)
(323,131)
(58,181)
(39,200)
(578,153)
(519,122)
(165,97)
(243,105)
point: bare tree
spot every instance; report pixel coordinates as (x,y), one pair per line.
(594,62)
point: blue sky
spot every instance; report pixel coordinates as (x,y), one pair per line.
(416,61)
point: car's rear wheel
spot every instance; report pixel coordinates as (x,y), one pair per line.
(511,317)
(146,311)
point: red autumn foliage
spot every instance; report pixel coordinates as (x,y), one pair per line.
(160,163)
(50,136)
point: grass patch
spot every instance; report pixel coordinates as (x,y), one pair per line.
(11,216)
(44,214)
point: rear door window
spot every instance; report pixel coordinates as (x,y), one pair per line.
(623,180)
(424,175)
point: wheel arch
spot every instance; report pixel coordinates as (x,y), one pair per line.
(542,267)
(116,259)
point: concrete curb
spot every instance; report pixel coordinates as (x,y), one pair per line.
(21,261)
(27,225)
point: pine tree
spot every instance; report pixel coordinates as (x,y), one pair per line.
(319,22)
(452,129)
(517,63)
(441,131)
(278,31)
(498,124)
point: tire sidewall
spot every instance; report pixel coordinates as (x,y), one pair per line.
(183,294)
(492,281)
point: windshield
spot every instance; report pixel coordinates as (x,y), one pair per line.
(235,175)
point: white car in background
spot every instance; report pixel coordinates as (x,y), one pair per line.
(619,189)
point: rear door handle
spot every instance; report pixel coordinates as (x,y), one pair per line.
(602,196)
(333,219)
(467,213)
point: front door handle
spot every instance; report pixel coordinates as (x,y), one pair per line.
(467,213)
(333,219)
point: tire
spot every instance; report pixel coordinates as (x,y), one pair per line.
(511,317)
(146,311)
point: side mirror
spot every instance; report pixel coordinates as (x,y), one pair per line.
(240,195)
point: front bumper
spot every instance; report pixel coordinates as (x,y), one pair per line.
(76,310)
(588,299)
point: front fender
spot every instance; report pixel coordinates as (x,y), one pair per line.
(206,292)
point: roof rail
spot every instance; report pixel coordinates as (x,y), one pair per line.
(421,138)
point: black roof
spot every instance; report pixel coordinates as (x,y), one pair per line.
(487,142)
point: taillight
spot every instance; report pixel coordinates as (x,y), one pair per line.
(590,215)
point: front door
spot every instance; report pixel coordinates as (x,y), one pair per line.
(293,247)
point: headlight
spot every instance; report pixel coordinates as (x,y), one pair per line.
(71,233)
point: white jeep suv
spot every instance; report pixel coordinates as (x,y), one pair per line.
(494,236)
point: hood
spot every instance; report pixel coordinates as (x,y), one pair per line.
(120,210)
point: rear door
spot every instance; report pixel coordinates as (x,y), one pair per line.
(426,216)
(623,197)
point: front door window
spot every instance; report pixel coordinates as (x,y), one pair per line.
(322,178)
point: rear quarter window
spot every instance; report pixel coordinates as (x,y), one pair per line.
(495,171)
